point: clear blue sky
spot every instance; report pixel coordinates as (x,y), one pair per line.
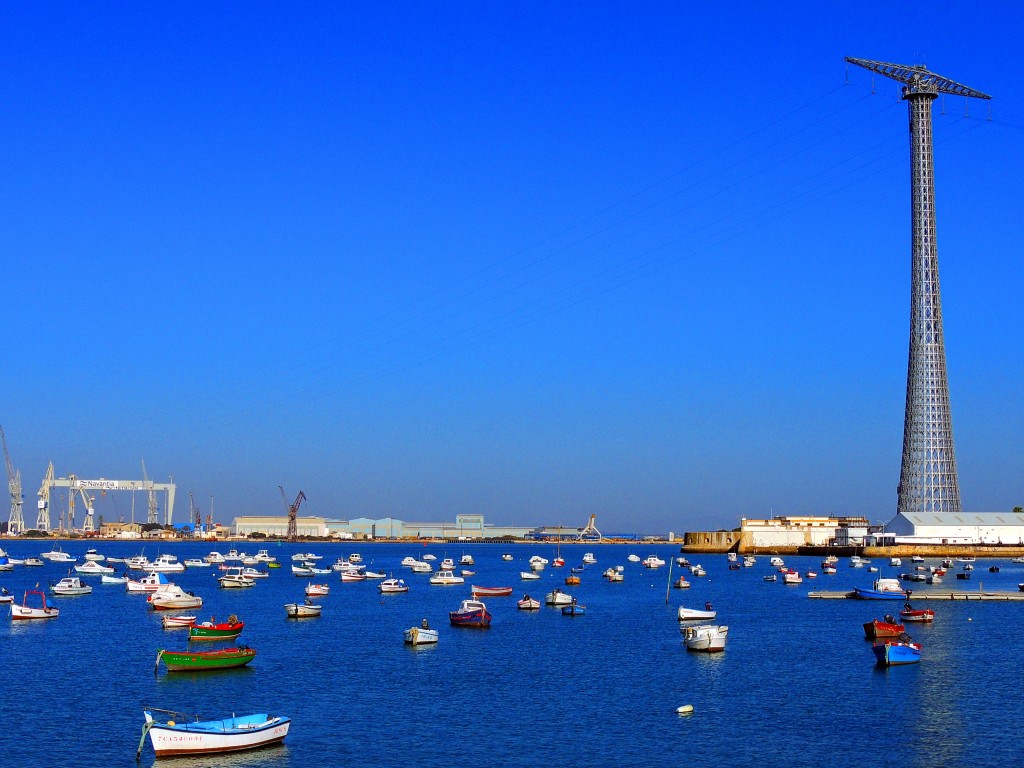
(534,260)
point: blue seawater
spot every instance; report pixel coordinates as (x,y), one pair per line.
(796,686)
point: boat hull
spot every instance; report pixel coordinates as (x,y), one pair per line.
(706,638)
(420,636)
(208,738)
(876,629)
(874,594)
(480,618)
(200,632)
(491,591)
(895,654)
(203,661)
(301,611)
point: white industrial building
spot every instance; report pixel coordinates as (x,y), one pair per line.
(802,531)
(952,528)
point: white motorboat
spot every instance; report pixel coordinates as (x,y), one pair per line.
(149,583)
(33,562)
(615,577)
(731,557)
(301,570)
(57,555)
(446,578)
(708,638)
(265,557)
(114,580)
(698,570)
(250,560)
(506,555)
(195,562)
(172,598)
(920,559)
(234,556)
(895,562)
(694,614)
(537,565)
(467,560)
(235,579)
(749,561)
(167,564)
(215,558)
(92,554)
(375,574)
(465,572)
(529,575)
(557,597)
(302,610)
(409,561)
(93,568)
(353,576)
(307,557)
(776,562)
(528,604)
(317,590)
(429,558)
(421,567)
(792,577)
(318,571)
(589,559)
(254,573)
(634,558)
(70,585)
(392,586)
(653,561)
(355,557)
(25,611)
(538,559)
(178,622)
(421,635)
(446,565)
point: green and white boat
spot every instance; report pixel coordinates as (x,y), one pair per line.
(201,661)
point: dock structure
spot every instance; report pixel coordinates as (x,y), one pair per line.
(930,595)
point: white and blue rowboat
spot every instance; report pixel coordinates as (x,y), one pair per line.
(891,653)
(201,737)
(882,589)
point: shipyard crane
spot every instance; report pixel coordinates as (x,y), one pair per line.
(293,512)
(16,522)
(151,503)
(88,525)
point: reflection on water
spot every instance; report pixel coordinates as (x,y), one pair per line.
(273,756)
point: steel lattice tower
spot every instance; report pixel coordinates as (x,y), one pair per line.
(928,476)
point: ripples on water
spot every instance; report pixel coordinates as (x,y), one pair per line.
(796,686)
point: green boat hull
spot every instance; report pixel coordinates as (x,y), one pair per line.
(209,633)
(206,660)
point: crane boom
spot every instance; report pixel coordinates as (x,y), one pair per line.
(918,77)
(16,522)
(293,513)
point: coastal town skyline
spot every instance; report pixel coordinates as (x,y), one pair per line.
(534,263)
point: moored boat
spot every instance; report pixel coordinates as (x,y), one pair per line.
(887,627)
(211,736)
(236,579)
(882,589)
(178,622)
(557,597)
(528,603)
(924,616)
(392,586)
(304,610)
(471,613)
(211,630)
(695,614)
(317,590)
(25,611)
(891,653)
(93,568)
(706,638)
(490,591)
(446,578)
(70,586)
(421,635)
(574,609)
(531,576)
(173,598)
(202,661)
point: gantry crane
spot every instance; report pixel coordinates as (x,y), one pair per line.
(16,522)
(293,513)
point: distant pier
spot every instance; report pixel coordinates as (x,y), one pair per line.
(930,595)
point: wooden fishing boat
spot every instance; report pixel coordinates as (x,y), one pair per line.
(201,737)
(925,616)
(574,609)
(891,653)
(202,661)
(211,630)
(421,635)
(695,614)
(528,604)
(490,591)
(392,586)
(706,638)
(572,580)
(887,627)
(178,622)
(25,611)
(305,610)
(471,613)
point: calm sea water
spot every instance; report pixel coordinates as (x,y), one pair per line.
(796,686)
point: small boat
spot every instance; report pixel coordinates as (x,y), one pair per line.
(203,661)
(409,562)
(934,579)
(882,589)
(5,596)
(446,565)
(572,580)
(392,586)
(829,570)
(264,556)
(913,577)
(429,557)
(25,611)
(615,577)
(811,574)
(173,598)
(214,557)
(634,558)
(34,562)
(353,576)
(195,562)
(490,591)
(574,609)
(70,586)
(770,577)
(538,559)
(681,583)
(273,564)
(446,578)
(471,613)
(149,583)
(464,572)
(113,579)
(234,578)
(467,560)
(317,571)
(920,559)
(304,610)
(731,557)
(301,570)
(378,574)
(211,736)
(792,577)
(968,567)
(306,557)
(211,630)
(891,653)
(964,575)
(93,567)
(528,604)
(887,627)
(528,575)
(255,573)
(698,570)
(178,622)
(57,555)
(695,614)
(993,569)
(537,565)
(776,562)
(653,561)
(93,555)
(589,559)
(895,562)
(317,590)
(355,557)
(707,638)
(1017,560)
(749,561)
(506,555)
(557,597)
(925,616)
(421,567)
(167,564)
(421,635)
(558,562)
(576,569)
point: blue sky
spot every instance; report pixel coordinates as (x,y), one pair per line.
(534,260)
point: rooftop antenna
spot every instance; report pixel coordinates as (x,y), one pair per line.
(928,473)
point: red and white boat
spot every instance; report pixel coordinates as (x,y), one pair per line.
(25,611)
(924,616)
(176,622)
(491,591)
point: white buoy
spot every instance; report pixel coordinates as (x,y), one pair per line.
(686,709)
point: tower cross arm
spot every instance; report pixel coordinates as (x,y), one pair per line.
(918,76)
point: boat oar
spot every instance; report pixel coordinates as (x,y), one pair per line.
(156,664)
(142,741)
